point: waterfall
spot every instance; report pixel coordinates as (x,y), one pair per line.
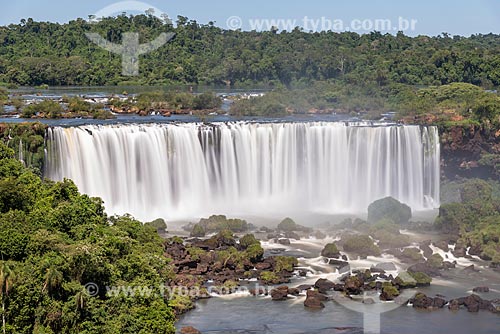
(186,170)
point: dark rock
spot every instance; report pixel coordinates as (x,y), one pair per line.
(449,265)
(425,247)
(324,285)
(443,245)
(439,302)
(459,251)
(424,267)
(476,250)
(303,287)
(314,299)
(353,285)
(474,303)
(262,266)
(421,301)
(280,293)
(454,305)
(293,291)
(189,330)
(368,301)
(341,266)
(481,289)
(345,258)
(283,241)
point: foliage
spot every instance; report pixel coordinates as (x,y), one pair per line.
(216,223)
(46,108)
(44,53)
(330,250)
(55,240)
(361,244)
(247,240)
(269,277)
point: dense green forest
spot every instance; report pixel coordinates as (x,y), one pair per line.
(36,53)
(54,241)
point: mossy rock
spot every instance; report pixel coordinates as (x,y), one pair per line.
(254,252)
(362,245)
(216,223)
(412,254)
(389,292)
(405,280)
(289,225)
(159,224)
(330,250)
(421,278)
(269,277)
(248,240)
(389,208)
(435,261)
(198,231)
(391,240)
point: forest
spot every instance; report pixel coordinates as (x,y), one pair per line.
(43,53)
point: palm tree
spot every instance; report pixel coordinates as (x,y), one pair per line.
(7,277)
(53,280)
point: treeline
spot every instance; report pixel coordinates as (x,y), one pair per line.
(36,53)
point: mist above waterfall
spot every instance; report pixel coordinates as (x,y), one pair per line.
(182,171)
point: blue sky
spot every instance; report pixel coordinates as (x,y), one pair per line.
(433,17)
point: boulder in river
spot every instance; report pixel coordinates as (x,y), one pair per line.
(280,293)
(330,250)
(314,299)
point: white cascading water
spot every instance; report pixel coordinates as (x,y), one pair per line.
(188,170)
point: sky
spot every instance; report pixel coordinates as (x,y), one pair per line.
(429,17)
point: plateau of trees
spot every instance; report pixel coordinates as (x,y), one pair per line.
(43,53)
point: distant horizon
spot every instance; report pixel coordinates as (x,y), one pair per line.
(429,17)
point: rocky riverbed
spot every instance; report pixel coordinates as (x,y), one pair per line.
(289,269)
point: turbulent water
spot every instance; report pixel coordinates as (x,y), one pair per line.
(190,170)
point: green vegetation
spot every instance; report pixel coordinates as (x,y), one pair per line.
(41,53)
(28,141)
(330,250)
(54,241)
(389,208)
(70,107)
(362,245)
(248,240)
(167,101)
(217,223)
(475,221)
(269,277)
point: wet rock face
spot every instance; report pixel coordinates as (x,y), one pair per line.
(280,293)
(315,299)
